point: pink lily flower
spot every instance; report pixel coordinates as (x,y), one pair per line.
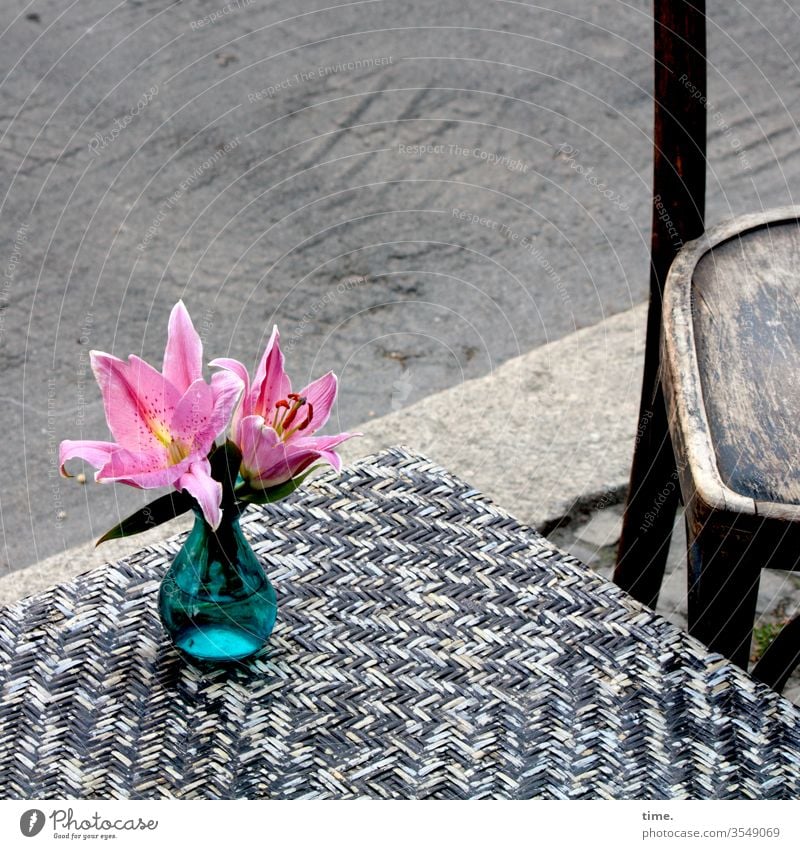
(274,427)
(164,423)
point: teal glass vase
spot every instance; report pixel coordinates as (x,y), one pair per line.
(216,602)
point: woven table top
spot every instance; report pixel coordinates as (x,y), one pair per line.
(427,645)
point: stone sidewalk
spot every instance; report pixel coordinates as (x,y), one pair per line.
(548,436)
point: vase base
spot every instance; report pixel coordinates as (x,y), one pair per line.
(218,643)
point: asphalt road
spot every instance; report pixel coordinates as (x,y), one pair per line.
(414,191)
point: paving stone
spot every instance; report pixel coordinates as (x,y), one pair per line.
(604,527)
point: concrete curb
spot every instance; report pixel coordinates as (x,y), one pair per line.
(546,435)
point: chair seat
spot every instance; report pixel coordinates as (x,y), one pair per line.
(731,358)
(746,314)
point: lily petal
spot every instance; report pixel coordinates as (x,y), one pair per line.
(138,400)
(322,443)
(192,415)
(256,441)
(237,368)
(183,356)
(145,469)
(230,364)
(271,382)
(197,481)
(285,462)
(321,394)
(268,461)
(226,389)
(95,453)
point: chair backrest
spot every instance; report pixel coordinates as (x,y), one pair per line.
(679,176)
(679,139)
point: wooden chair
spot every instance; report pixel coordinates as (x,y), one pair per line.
(720,411)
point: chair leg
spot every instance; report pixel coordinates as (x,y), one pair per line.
(781,657)
(724,573)
(650,510)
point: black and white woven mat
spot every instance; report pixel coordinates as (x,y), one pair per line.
(427,645)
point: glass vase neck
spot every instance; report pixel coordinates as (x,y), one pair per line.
(216,602)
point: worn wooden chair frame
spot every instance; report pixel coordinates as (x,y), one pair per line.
(679,174)
(746,535)
(734,536)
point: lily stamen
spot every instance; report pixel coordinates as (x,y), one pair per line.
(281,405)
(282,425)
(304,424)
(298,403)
(309,416)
